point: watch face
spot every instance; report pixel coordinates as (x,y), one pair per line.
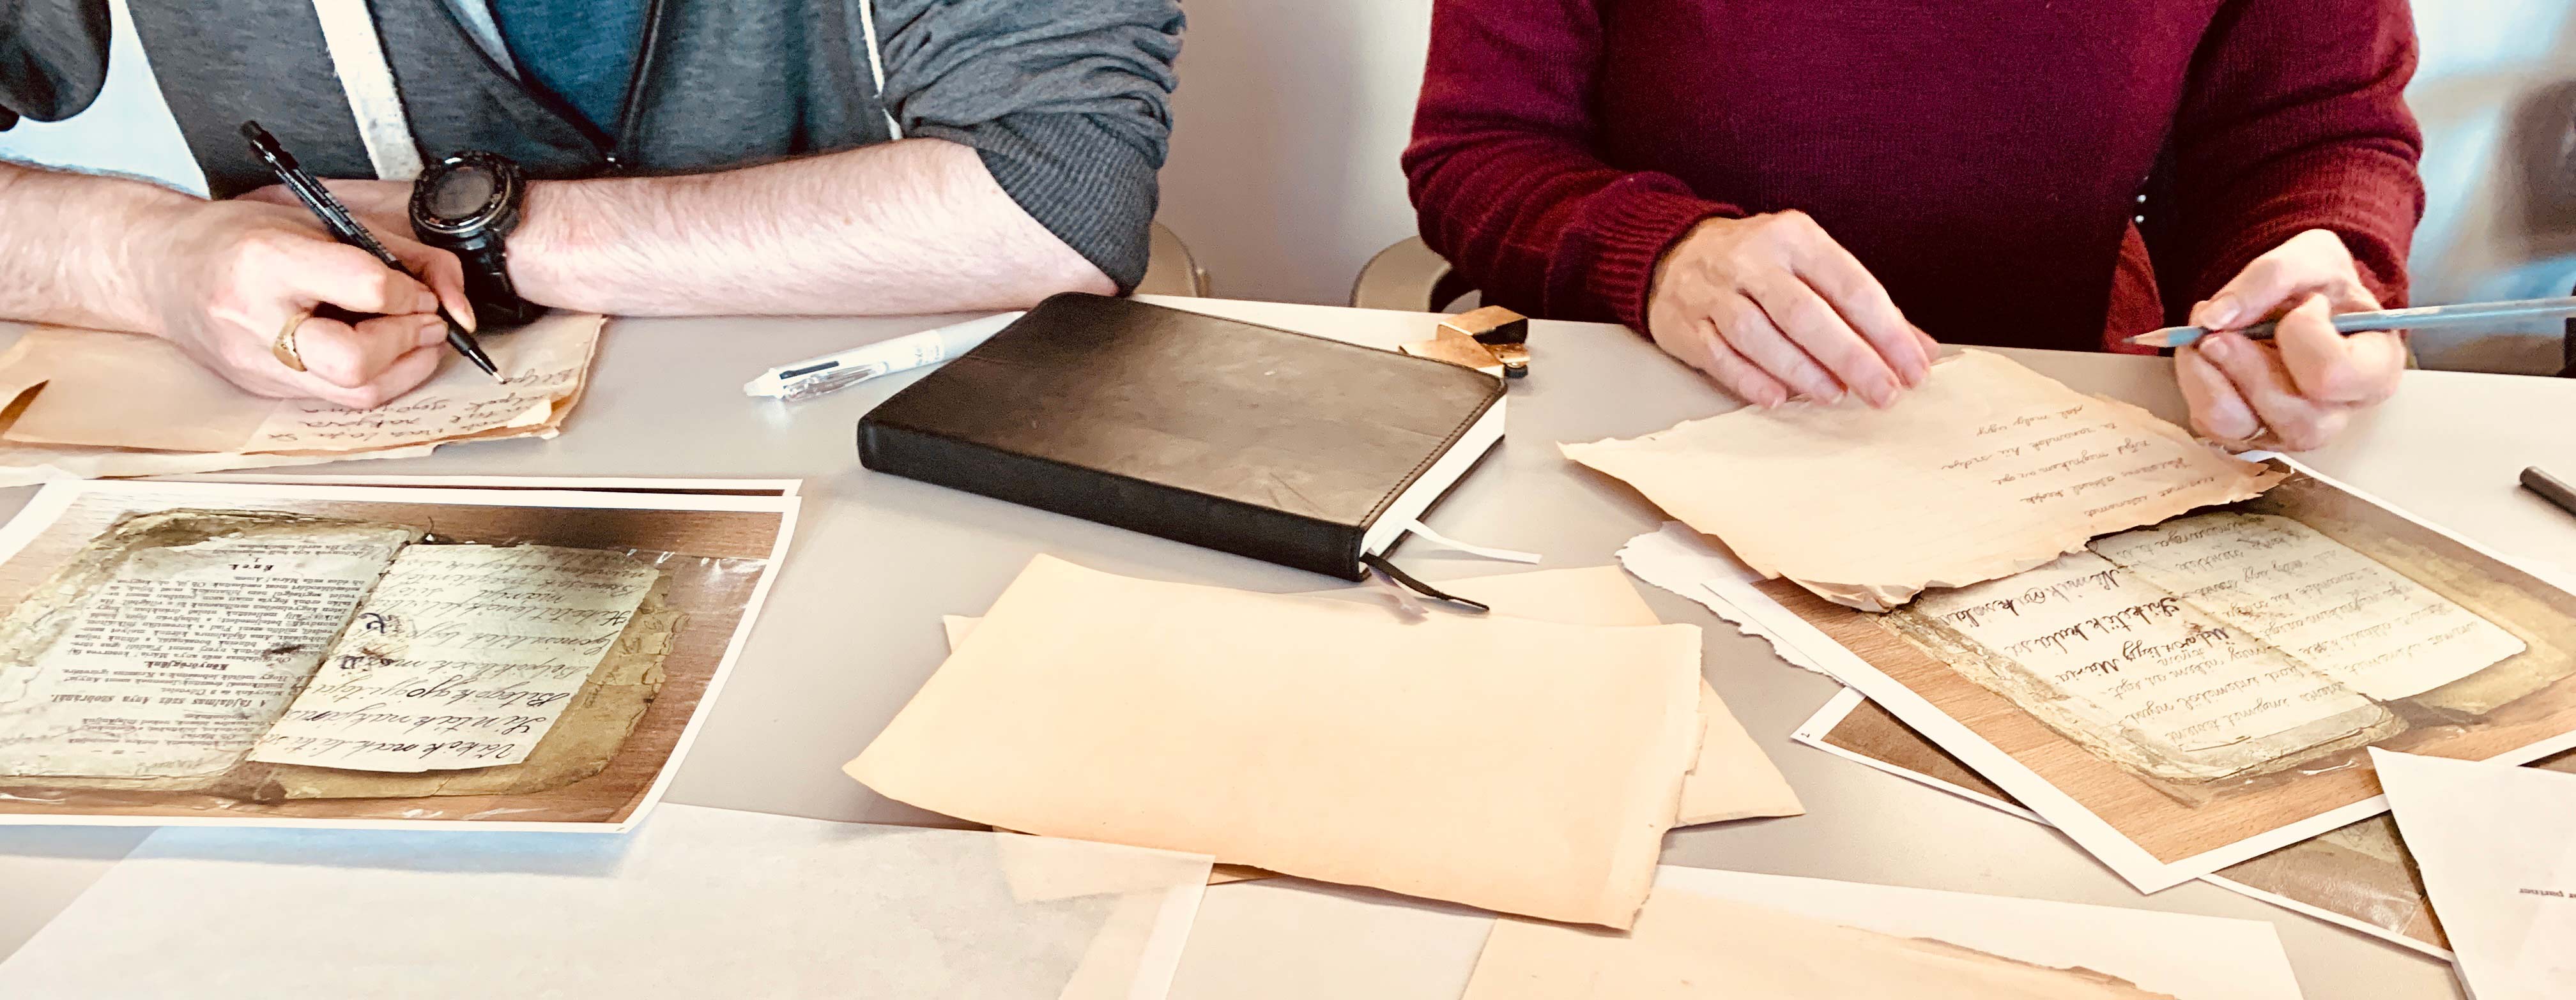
(466,197)
(464,193)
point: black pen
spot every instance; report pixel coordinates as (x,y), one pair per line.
(2549,488)
(336,218)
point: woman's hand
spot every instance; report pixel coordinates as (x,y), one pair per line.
(2296,391)
(1770,306)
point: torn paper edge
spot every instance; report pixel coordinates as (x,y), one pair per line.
(53,499)
(1813,731)
(1677,559)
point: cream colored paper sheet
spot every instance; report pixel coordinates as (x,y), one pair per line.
(1986,470)
(170,644)
(463,657)
(87,397)
(1521,766)
(1687,946)
(1732,779)
(2497,848)
(698,903)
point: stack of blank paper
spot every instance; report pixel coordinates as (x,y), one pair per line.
(1523,766)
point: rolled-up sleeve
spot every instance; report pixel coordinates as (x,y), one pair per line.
(53,58)
(1067,102)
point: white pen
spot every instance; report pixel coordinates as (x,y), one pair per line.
(832,372)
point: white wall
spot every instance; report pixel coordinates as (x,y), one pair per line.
(1283,175)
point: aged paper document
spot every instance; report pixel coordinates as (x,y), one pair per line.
(2211,646)
(2497,847)
(164,651)
(1522,766)
(83,399)
(2333,610)
(463,657)
(1732,779)
(594,725)
(1687,946)
(2000,469)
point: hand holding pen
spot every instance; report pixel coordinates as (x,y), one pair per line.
(290,350)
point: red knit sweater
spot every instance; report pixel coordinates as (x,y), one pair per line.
(1983,158)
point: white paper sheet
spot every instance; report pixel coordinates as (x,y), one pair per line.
(2497,848)
(1290,939)
(2191,957)
(1688,563)
(698,903)
(1813,731)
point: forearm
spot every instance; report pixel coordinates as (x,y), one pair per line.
(906,227)
(74,248)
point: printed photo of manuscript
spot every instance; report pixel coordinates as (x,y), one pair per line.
(2213,646)
(181,645)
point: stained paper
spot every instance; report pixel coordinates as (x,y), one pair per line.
(1985,470)
(1521,766)
(81,417)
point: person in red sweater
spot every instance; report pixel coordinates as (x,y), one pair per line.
(1794,196)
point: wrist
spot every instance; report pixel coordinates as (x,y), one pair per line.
(149,243)
(550,237)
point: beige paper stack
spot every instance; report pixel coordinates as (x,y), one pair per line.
(85,404)
(1523,766)
(1986,470)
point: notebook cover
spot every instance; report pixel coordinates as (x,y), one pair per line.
(1223,434)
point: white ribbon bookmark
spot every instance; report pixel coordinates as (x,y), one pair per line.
(1416,527)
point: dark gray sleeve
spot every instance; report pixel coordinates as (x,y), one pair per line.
(1068,102)
(53,58)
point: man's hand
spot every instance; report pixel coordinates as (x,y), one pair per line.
(2297,390)
(231,279)
(1770,306)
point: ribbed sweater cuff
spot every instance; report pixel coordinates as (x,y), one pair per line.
(1633,227)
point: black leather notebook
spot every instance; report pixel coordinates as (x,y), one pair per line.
(1294,449)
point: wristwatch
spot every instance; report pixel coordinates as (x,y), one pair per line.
(467,204)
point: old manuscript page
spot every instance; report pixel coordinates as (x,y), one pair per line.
(86,397)
(2331,609)
(164,651)
(1999,469)
(1687,946)
(463,657)
(2212,646)
(1522,766)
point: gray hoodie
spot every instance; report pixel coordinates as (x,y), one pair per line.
(1066,101)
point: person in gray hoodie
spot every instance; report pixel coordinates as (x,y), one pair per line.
(836,157)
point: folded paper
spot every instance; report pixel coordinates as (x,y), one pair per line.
(80,416)
(1985,470)
(1522,766)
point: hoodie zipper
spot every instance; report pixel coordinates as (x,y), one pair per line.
(621,145)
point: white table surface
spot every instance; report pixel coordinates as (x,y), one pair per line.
(852,625)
